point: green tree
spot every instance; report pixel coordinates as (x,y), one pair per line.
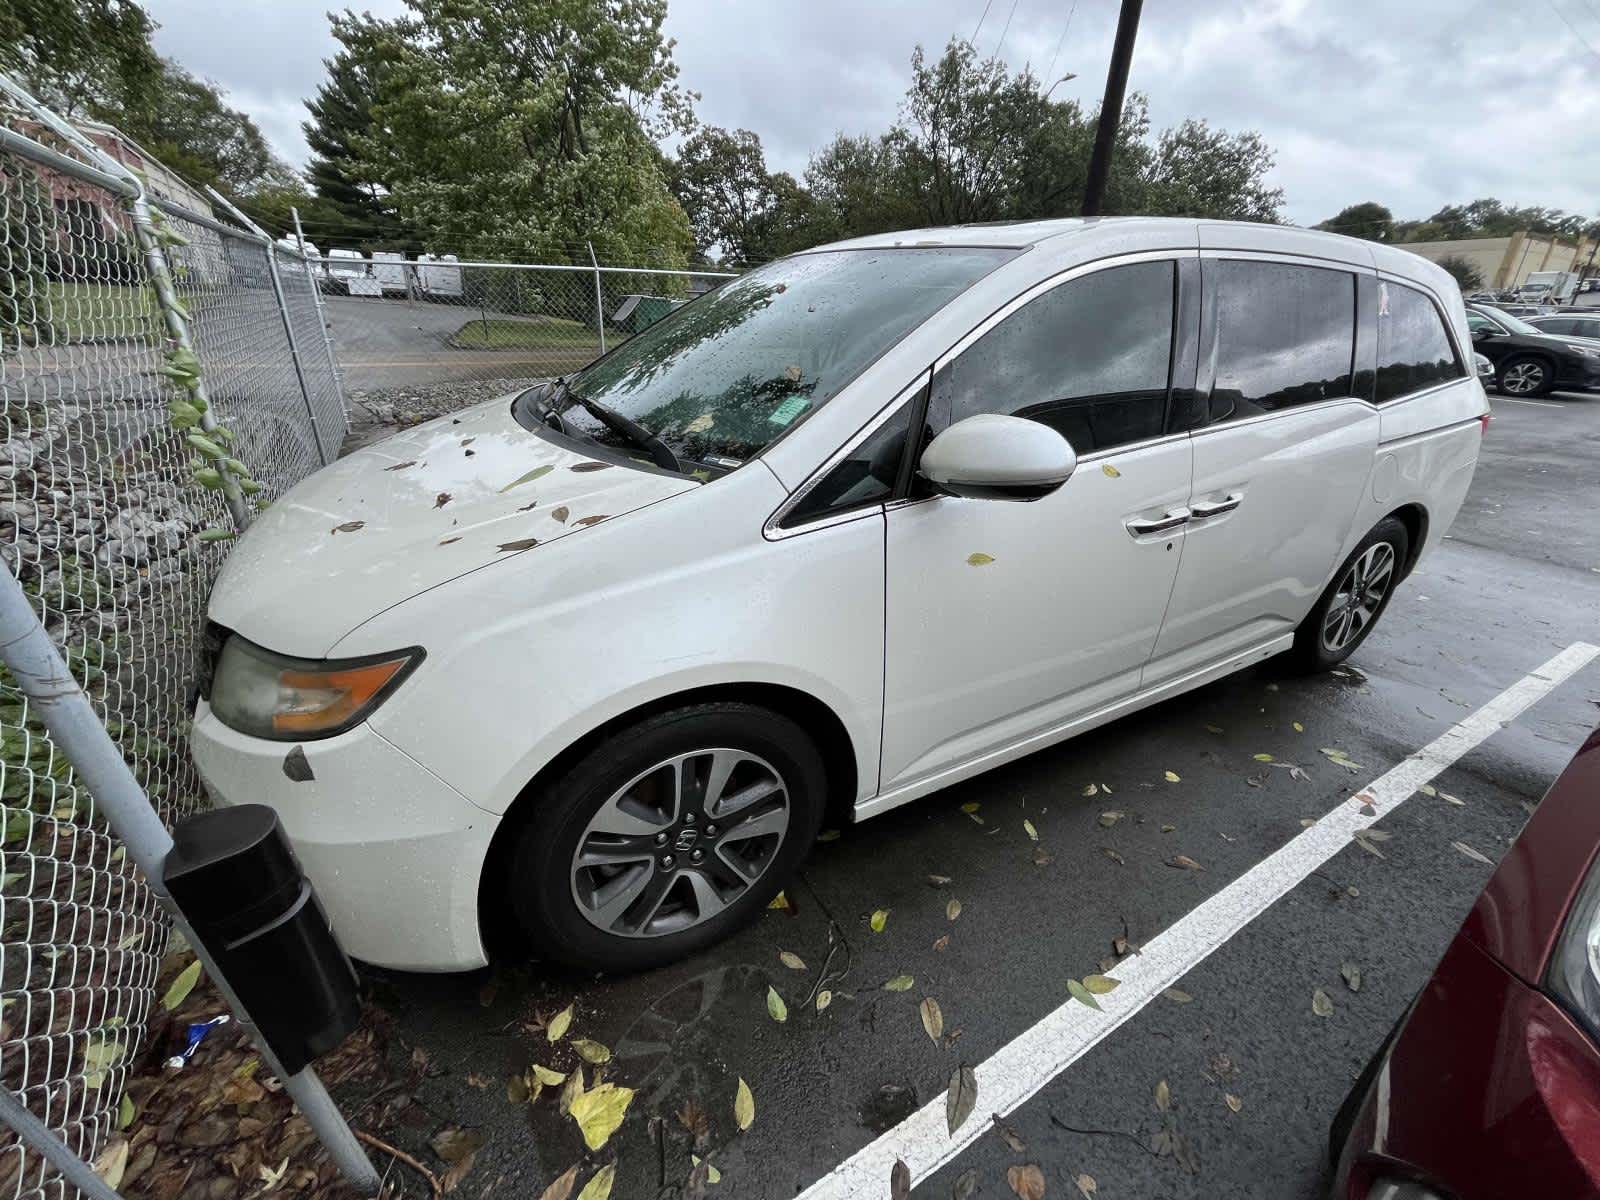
(356,208)
(81,57)
(1198,171)
(528,127)
(720,179)
(1369,220)
(1465,272)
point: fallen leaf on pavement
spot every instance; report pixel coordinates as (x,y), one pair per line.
(1470,852)
(1026,1181)
(1185,862)
(966,1183)
(1112,855)
(938,880)
(1176,995)
(1108,819)
(599,1112)
(591,1052)
(1163,1096)
(776,1008)
(959,1098)
(559,1024)
(599,1187)
(570,1091)
(942,942)
(1232,1101)
(1008,1135)
(932,1018)
(1321,1003)
(1033,834)
(899,1181)
(1083,995)
(1263,757)
(793,961)
(1042,857)
(1172,777)
(1086,1185)
(1100,984)
(879,920)
(824,998)
(1352,976)
(1091,789)
(744,1106)
(900,983)
(952,910)
(780,901)
(561,1189)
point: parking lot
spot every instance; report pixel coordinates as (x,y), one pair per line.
(1138,825)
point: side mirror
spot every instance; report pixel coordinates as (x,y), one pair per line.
(993,457)
(1482,335)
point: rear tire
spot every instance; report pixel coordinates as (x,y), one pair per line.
(666,836)
(1525,375)
(1354,600)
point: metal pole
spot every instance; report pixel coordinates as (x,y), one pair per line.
(599,304)
(51,1148)
(322,316)
(155,262)
(55,697)
(1105,137)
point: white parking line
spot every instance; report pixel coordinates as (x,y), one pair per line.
(1020,1068)
(1534,403)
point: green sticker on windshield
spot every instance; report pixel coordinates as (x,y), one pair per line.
(788,410)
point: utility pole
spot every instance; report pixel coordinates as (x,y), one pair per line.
(1105,138)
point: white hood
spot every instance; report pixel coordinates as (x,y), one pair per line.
(408,514)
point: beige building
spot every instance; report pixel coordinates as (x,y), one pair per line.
(1506,262)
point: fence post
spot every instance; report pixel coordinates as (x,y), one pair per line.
(267,248)
(52,692)
(599,304)
(322,313)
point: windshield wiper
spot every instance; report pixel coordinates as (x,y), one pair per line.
(625,427)
(543,410)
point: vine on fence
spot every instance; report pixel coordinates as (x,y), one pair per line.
(217,445)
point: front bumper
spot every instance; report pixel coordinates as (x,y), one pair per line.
(394,852)
(1581,376)
(1488,1090)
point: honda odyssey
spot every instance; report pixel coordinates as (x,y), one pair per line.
(602,657)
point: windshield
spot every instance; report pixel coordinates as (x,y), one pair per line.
(1514,324)
(721,378)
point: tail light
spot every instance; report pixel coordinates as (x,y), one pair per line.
(1483,424)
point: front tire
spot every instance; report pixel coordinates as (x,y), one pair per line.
(667,836)
(1524,375)
(1352,603)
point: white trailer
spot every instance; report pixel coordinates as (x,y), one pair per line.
(349,270)
(1549,287)
(389,269)
(438,276)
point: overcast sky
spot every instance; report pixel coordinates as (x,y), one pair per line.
(1413,103)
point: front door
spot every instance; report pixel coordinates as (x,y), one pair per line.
(1281,464)
(1006,620)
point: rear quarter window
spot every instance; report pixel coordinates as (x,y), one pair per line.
(1414,349)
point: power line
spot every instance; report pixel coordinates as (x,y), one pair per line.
(974,38)
(1006,30)
(1061,41)
(1587,45)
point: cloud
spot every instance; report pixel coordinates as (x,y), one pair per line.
(1414,104)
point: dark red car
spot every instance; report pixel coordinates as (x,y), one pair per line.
(1489,1087)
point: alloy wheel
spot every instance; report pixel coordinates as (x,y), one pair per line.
(680,842)
(1357,598)
(1522,378)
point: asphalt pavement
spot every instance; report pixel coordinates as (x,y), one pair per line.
(1222,1089)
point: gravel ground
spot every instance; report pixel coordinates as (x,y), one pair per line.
(378,412)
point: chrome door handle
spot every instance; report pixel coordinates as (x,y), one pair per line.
(1140,527)
(1215,508)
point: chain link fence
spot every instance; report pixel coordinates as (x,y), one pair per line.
(101,521)
(425,335)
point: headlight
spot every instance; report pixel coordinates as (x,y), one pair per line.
(1485,367)
(269,695)
(1574,971)
(1586,351)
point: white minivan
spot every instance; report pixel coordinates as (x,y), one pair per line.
(601,658)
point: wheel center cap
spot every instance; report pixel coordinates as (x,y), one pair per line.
(687,837)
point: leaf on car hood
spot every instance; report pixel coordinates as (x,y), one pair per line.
(536,473)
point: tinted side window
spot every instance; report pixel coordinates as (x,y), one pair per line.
(1285,336)
(1414,351)
(867,476)
(1557,325)
(1477,321)
(1091,359)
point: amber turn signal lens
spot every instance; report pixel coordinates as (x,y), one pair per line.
(312,701)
